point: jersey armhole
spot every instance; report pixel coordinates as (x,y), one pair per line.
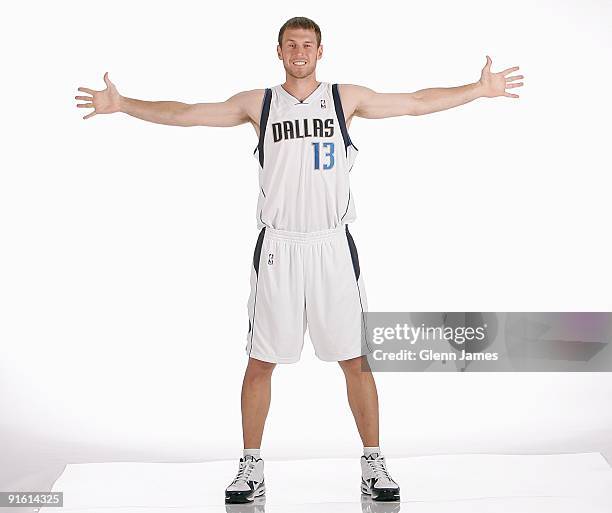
(341,120)
(263,121)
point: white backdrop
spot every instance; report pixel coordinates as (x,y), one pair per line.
(126,246)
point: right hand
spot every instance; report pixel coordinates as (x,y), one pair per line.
(106,101)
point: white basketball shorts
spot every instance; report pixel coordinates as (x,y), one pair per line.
(301,280)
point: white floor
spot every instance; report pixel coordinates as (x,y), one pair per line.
(460,483)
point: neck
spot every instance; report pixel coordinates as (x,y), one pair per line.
(300,88)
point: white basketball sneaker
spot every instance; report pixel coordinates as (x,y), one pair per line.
(248,483)
(376,481)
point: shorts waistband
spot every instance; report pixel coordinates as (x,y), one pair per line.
(304,237)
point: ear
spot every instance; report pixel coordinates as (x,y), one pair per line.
(279,52)
(319,52)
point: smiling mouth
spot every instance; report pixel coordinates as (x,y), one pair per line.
(299,63)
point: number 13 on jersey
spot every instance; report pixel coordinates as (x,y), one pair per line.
(324,151)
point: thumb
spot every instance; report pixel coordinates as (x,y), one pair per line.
(107,80)
(488,64)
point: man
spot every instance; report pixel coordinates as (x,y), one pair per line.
(305,266)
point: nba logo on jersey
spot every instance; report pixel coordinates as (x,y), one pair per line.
(323,104)
(270,258)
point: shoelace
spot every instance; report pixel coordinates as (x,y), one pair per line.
(245,471)
(378,466)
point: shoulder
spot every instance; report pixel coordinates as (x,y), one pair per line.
(352,96)
(249,102)
(251,98)
(353,91)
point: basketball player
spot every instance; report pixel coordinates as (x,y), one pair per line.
(305,267)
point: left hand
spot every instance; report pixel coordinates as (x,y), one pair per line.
(495,84)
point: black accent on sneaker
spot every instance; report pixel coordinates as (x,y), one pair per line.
(386,495)
(251,457)
(245,496)
(379,494)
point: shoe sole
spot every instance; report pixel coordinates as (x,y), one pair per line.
(244,497)
(384,495)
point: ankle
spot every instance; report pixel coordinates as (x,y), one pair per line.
(251,452)
(368,451)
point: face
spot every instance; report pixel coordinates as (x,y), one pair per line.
(299,52)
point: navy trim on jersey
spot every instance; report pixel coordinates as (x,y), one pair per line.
(263,103)
(263,121)
(340,116)
(347,203)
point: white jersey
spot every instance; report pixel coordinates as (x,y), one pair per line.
(305,155)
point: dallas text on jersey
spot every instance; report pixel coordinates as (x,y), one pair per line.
(301,128)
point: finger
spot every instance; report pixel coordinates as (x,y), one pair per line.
(87,98)
(514,77)
(86,105)
(89,115)
(510,86)
(107,80)
(509,70)
(510,95)
(489,62)
(86,90)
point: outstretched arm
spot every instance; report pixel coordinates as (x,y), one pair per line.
(238,109)
(365,103)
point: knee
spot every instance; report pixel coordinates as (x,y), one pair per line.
(256,369)
(355,366)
